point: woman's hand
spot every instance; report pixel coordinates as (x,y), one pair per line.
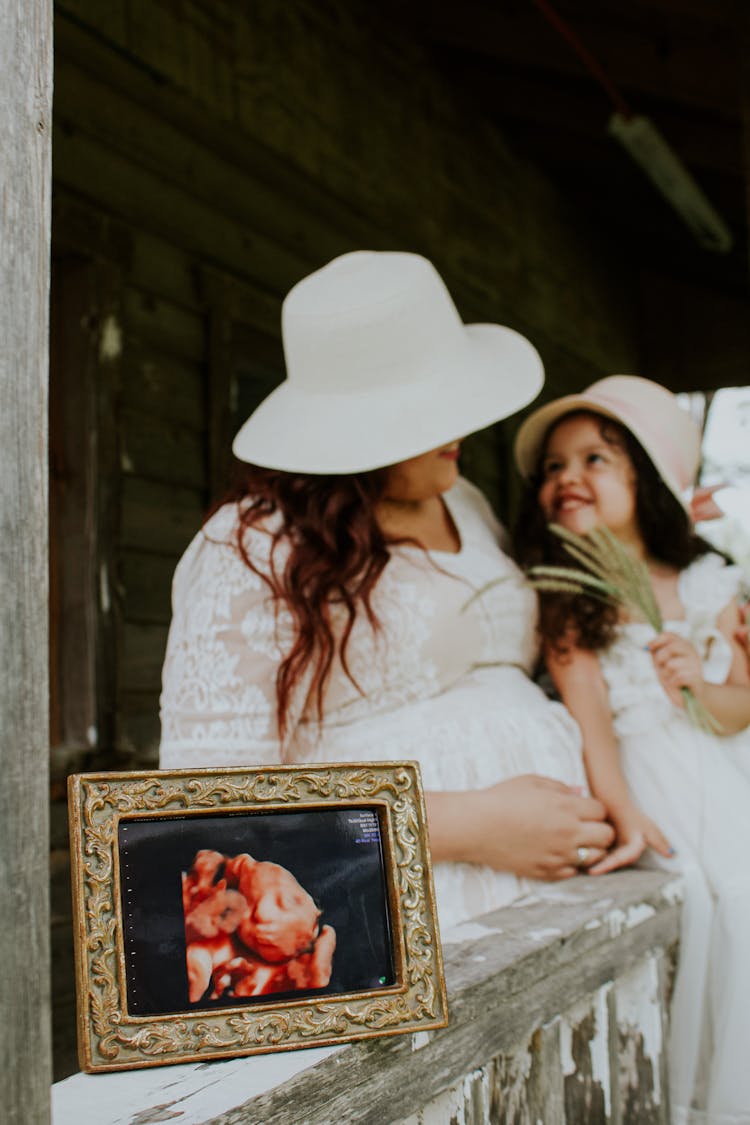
(677,665)
(635,833)
(532,826)
(543,825)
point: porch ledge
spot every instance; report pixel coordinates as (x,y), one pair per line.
(557,1004)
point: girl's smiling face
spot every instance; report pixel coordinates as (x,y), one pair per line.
(587,479)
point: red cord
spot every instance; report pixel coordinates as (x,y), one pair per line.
(588,60)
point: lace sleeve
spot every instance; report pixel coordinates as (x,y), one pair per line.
(218,702)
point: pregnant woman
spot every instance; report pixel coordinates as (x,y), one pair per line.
(334,608)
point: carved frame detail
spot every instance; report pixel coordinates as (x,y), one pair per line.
(111,1039)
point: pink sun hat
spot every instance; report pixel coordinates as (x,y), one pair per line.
(649,411)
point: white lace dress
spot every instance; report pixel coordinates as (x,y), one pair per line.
(696,787)
(443,682)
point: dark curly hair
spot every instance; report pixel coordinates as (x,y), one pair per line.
(662,521)
(337,552)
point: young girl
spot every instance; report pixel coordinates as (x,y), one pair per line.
(621,456)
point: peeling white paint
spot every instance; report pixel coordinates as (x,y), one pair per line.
(639,1010)
(674,893)
(479,957)
(91,735)
(468,931)
(516,1077)
(110,340)
(448,1106)
(419,1040)
(542,935)
(478,1080)
(616,922)
(567,1062)
(619,920)
(637,914)
(599,1047)
(594,924)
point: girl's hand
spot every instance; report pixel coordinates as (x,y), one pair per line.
(677,665)
(703,506)
(635,833)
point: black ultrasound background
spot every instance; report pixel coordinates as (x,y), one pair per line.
(325,852)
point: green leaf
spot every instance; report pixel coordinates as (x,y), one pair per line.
(569,573)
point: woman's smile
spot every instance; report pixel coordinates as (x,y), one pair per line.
(450,454)
(424,477)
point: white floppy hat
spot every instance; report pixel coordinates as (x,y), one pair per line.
(381,368)
(668,434)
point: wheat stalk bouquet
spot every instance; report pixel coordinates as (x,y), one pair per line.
(610,573)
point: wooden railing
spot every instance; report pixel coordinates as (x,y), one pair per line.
(558,1013)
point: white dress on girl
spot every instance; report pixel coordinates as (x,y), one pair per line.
(444,680)
(696,787)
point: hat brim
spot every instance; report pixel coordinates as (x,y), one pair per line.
(495,374)
(533,430)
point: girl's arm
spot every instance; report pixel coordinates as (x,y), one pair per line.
(678,665)
(579,679)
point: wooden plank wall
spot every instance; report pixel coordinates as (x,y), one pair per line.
(258,143)
(206,156)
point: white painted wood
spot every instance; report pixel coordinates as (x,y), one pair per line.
(514,977)
(200,1091)
(25,132)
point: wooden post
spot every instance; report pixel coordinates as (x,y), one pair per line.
(25,177)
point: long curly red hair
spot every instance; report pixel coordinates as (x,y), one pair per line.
(336,554)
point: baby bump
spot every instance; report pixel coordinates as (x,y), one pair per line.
(492,725)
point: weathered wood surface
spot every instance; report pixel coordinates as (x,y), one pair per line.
(25,132)
(159,517)
(557,1014)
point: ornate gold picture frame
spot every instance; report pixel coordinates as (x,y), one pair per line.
(239,911)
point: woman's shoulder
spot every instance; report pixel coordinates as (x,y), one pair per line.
(474,514)
(221,526)
(214,552)
(468,498)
